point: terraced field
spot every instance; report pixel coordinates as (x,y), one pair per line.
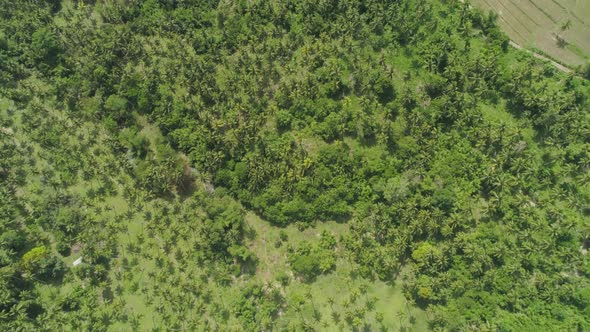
(559,28)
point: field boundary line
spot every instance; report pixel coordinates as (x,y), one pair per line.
(560,5)
(500,16)
(507,11)
(542,57)
(524,13)
(544,12)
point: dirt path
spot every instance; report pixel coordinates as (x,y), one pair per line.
(542,57)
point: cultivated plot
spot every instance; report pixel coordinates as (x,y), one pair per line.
(559,28)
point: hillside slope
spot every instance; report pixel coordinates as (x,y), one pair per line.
(297,165)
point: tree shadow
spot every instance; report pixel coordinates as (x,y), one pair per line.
(336,317)
(250,233)
(187,186)
(317,315)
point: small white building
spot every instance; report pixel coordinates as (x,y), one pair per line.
(77,262)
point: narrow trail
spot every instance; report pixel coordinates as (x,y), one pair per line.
(542,57)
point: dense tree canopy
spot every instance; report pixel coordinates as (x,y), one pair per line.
(147,137)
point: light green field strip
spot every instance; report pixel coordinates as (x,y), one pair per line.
(579,32)
(515,29)
(537,23)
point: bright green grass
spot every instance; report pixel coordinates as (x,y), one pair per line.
(274,259)
(337,285)
(139,301)
(340,287)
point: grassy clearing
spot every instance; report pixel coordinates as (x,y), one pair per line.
(134,274)
(329,297)
(273,259)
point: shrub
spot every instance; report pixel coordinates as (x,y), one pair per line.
(41,264)
(284,119)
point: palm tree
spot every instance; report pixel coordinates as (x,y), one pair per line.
(316,312)
(401,314)
(331,301)
(354,294)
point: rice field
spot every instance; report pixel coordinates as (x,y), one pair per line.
(558,28)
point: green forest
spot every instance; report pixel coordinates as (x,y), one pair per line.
(288,165)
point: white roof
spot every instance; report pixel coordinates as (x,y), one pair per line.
(77,261)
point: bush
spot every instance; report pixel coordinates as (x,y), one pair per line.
(117,108)
(95,273)
(306,265)
(284,119)
(12,240)
(3,41)
(283,278)
(310,261)
(44,46)
(31,259)
(444,199)
(63,248)
(283,235)
(585,71)
(41,264)
(384,90)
